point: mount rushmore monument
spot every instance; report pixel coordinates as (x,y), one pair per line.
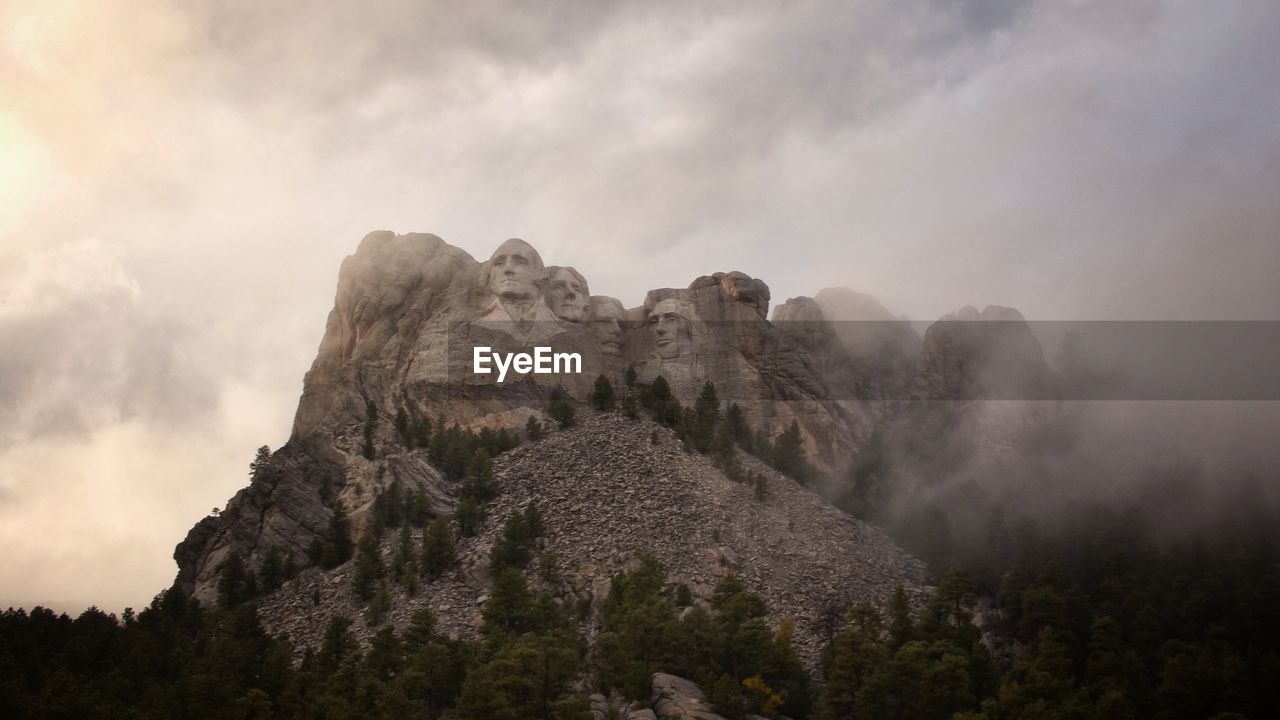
(398,350)
(410,309)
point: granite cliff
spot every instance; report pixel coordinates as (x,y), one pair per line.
(397,350)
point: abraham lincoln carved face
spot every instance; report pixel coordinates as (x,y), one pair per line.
(670,320)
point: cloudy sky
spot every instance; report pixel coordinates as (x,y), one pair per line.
(179,182)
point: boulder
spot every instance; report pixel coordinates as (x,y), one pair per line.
(675,697)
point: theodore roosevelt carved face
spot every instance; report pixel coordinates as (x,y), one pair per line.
(606,322)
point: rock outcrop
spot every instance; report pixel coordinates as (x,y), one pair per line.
(398,343)
(988,355)
(408,313)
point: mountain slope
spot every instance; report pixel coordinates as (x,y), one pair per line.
(607,494)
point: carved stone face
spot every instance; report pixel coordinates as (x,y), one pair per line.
(606,322)
(566,293)
(514,270)
(670,327)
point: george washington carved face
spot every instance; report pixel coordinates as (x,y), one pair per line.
(565,292)
(513,271)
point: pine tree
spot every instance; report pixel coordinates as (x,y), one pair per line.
(788,454)
(630,376)
(438,551)
(853,656)
(272,572)
(404,566)
(706,413)
(368,568)
(602,394)
(512,548)
(560,409)
(760,486)
(337,645)
(236,582)
(379,605)
(533,521)
(533,429)
(901,630)
(386,658)
(479,485)
(421,435)
(736,420)
(469,515)
(336,547)
(261,461)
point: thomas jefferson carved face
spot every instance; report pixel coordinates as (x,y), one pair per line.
(670,320)
(606,322)
(513,271)
(565,291)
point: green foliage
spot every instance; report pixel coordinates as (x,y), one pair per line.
(560,409)
(438,550)
(379,605)
(479,485)
(788,454)
(630,409)
(1111,626)
(404,565)
(760,486)
(236,583)
(907,671)
(274,570)
(389,506)
(369,568)
(533,429)
(527,677)
(453,448)
(739,428)
(657,400)
(629,377)
(336,547)
(706,414)
(602,394)
(260,464)
(513,548)
(469,515)
(420,432)
(513,610)
(175,659)
(721,650)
